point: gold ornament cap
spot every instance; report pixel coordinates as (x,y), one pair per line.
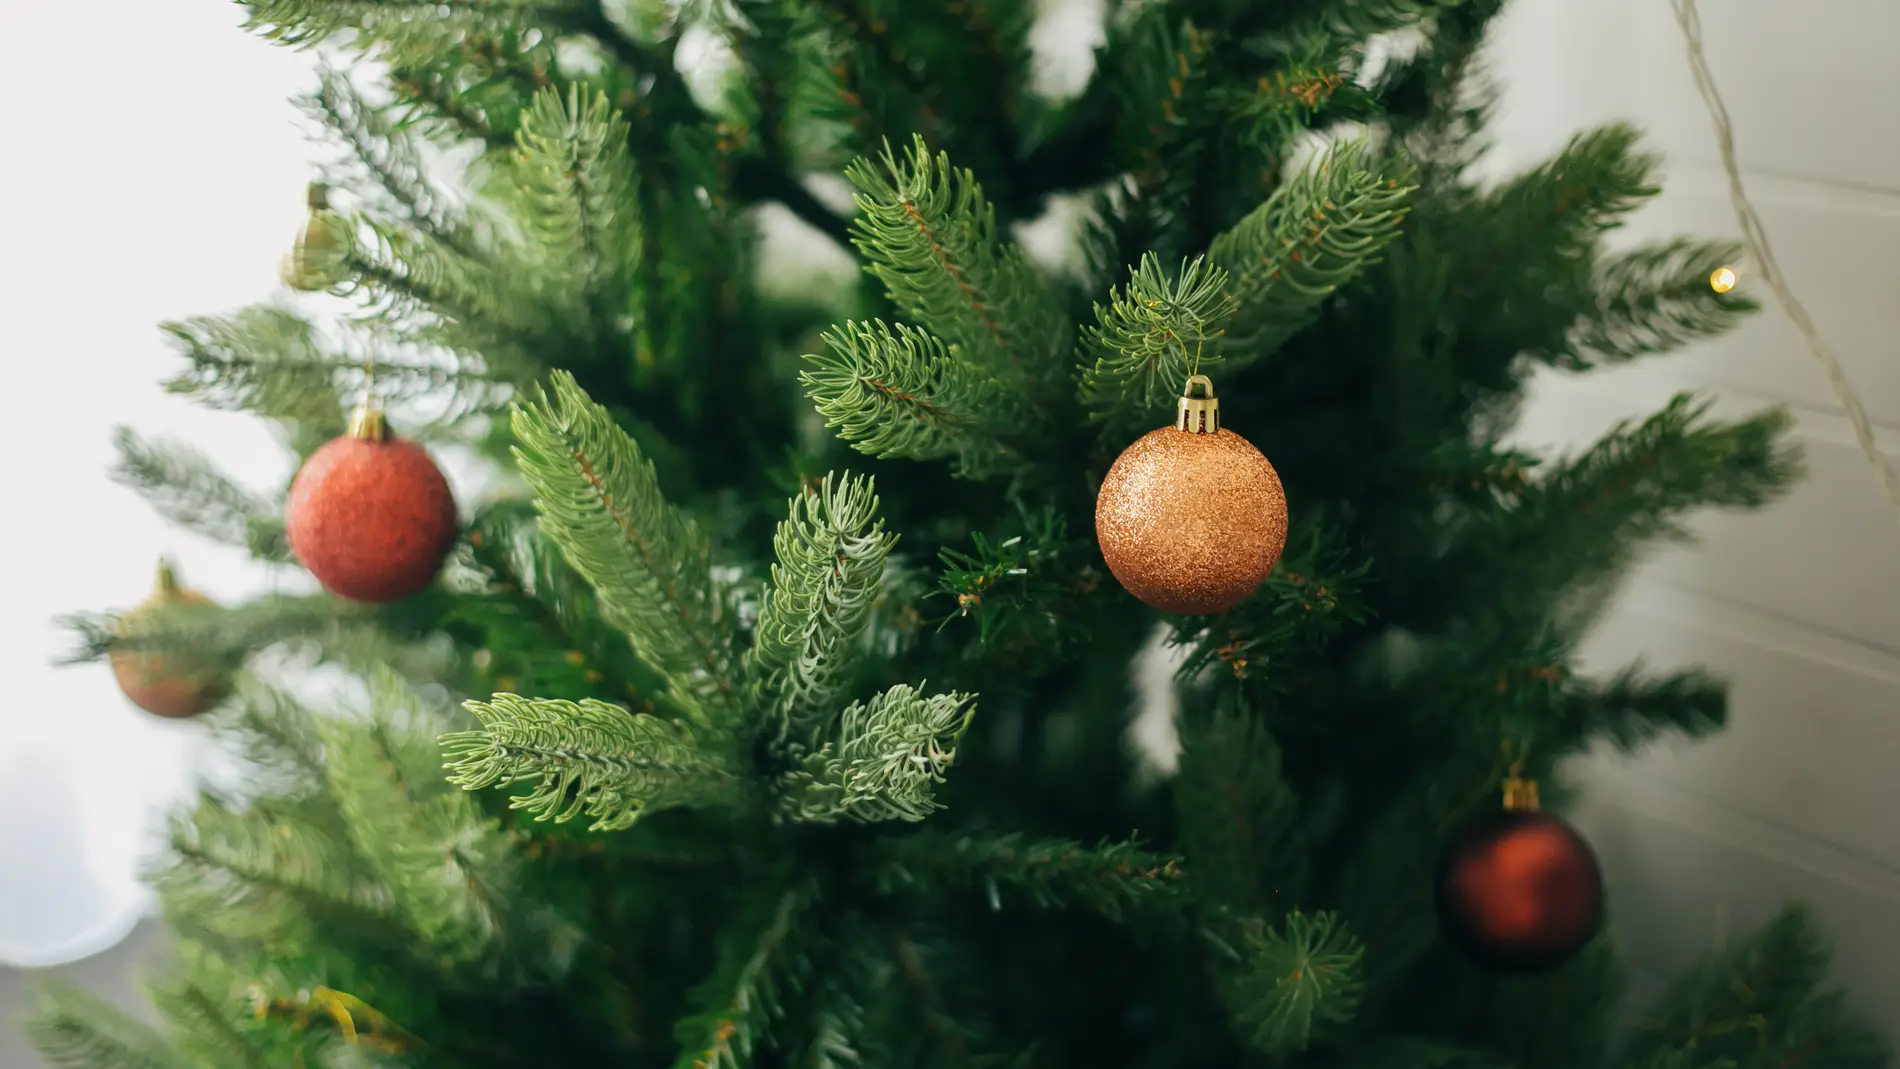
(317,196)
(1520,794)
(368,423)
(1197,415)
(167,583)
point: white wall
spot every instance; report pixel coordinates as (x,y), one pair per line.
(151,170)
(1799,605)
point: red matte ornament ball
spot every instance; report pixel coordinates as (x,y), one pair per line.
(370,514)
(1519,892)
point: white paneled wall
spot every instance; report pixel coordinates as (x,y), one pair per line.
(1799,605)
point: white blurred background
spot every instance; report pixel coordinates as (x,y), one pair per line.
(161,175)
(152,171)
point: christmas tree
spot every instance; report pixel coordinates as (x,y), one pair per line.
(773,705)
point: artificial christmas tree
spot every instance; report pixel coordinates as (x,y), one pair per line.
(867,800)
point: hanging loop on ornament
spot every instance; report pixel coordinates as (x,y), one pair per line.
(368,422)
(1197,415)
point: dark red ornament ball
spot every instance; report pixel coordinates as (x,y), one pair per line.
(371,517)
(1519,892)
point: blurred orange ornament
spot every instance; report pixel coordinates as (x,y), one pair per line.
(161,688)
(1191,518)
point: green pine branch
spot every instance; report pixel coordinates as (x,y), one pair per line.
(271,1008)
(217,640)
(263,360)
(900,393)
(1315,593)
(1680,1059)
(308,1011)
(1478,474)
(447,866)
(539,619)
(1414,1052)
(575,184)
(1633,709)
(1762,1003)
(208,1031)
(1338,26)
(1653,299)
(497,307)
(1299,981)
(1152,333)
(1154,119)
(1541,230)
(73,1029)
(1529,254)
(1277,109)
(433,100)
(267,873)
(1032,594)
(1115,880)
(1384,889)
(398,31)
(931,239)
(270,361)
(589,758)
(1316,233)
(759,964)
(1437,104)
(830,556)
(183,485)
(1442,96)
(383,150)
(766,168)
(1566,202)
(404,276)
(276,734)
(1587,517)
(885,763)
(199,639)
(836,1030)
(952,73)
(599,501)
(1238,817)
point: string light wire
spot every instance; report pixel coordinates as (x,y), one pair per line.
(1756,237)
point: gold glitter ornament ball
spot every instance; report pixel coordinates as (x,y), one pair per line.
(1191,520)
